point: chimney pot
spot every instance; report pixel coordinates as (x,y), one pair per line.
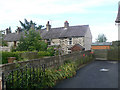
(48,26)
(19,30)
(66,24)
(8,31)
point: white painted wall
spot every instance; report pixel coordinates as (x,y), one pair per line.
(5,48)
(10,44)
(118,31)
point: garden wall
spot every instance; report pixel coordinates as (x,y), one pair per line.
(113,54)
(52,61)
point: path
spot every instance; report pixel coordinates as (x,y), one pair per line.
(90,76)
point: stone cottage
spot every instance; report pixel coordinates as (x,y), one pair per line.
(65,37)
(118,20)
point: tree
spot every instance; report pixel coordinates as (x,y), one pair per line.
(31,42)
(27,25)
(101,38)
(2,41)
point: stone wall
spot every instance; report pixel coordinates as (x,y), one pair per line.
(53,61)
(49,62)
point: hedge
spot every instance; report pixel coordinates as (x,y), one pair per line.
(113,54)
(5,55)
(23,55)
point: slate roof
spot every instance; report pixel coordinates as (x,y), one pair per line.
(118,15)
(61,32)
(12,37)
(101,43)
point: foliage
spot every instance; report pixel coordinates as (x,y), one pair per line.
(36,77)
(43,53)
(46,79)
(23,55)
(27,25)
(115,44)
(51,51)
(101,38)
(31,42)
(113,53)
(2,41)
(5,55)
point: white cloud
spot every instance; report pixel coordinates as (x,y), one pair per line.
(15,10)
(109,29)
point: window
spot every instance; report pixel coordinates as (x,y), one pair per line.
(69,48)
(69,52)
(48,41)
(70,41)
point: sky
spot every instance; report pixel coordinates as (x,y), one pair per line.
(100,15)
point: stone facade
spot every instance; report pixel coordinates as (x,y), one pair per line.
(65,37)
(67,43)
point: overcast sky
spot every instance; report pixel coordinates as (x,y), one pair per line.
(100,15)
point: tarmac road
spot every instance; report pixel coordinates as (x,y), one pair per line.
(91,76)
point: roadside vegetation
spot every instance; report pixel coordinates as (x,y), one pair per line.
(48,77)
(114,52)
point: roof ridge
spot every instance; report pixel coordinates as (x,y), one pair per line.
(69,26)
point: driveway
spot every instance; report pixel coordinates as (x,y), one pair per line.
(97,74)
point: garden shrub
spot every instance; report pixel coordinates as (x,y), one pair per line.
(43,53)
(47,78)
(51,51)
(113,54)
(51,76)
(23,55)
(5,55)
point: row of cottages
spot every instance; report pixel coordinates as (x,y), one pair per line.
(66,37)
(117,21)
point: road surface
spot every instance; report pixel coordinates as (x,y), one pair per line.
(94,75)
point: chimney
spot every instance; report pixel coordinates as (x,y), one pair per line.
(48,26)
(66,24)
(19,30)
(8,31)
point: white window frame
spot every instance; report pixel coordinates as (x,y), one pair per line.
(70,41)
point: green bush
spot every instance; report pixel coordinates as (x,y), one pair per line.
(23,55)
(51,51)
(37,78)
(113,54)
(43,53)
(5,55)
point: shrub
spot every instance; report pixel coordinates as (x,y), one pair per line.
(43,53)
(51,51)
(23,55)
(51,76)
(5,55)
(39,78)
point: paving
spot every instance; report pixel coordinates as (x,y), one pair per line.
(97,74)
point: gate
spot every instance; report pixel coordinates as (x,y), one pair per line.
(100,54)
